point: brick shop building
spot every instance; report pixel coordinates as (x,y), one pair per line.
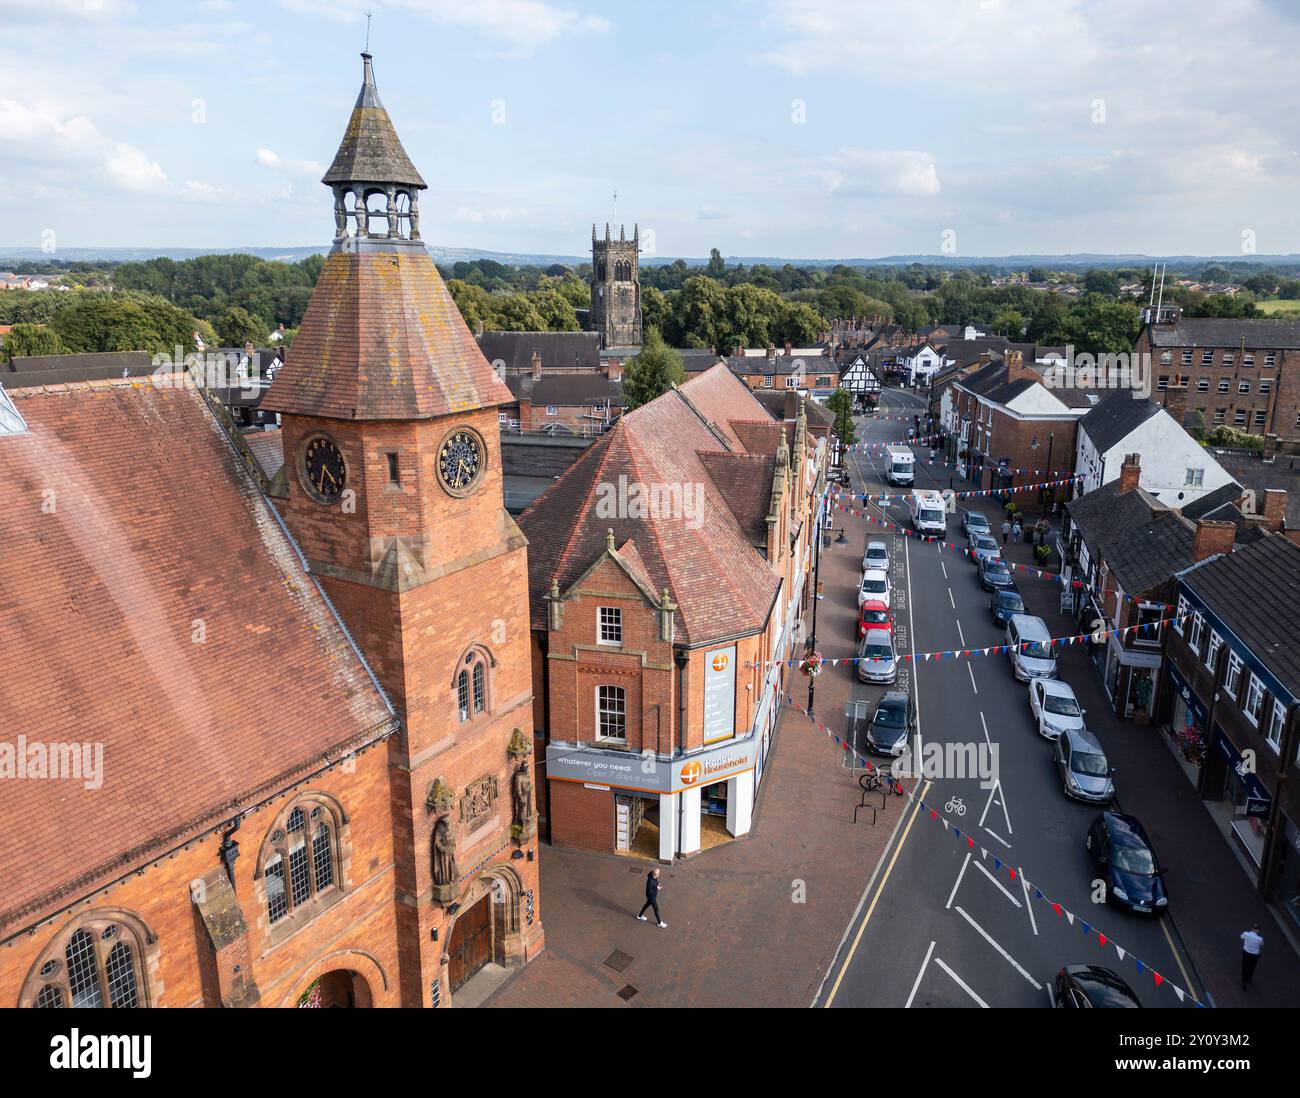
(668,568)
(275,728)
(1230,372)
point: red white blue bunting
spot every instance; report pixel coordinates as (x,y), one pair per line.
(1088,929)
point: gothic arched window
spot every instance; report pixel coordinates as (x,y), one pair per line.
(471,685)
(99,963)
(299,863)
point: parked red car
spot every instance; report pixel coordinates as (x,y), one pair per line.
(874,615)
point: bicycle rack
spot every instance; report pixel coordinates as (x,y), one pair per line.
(862,802)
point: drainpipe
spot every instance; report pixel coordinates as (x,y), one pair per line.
(680,657)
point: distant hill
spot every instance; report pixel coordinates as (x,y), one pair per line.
(440,254)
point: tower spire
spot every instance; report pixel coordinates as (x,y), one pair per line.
(371,161)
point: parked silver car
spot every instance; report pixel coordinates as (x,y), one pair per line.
(877,661)
(1085,773)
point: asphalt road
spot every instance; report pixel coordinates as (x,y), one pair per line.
(939,925)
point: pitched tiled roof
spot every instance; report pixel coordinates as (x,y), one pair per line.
(98,366)
(1233,587)
(721,398)
(1116,416)
(745,482)
(383,339)
(566,389)
(696,362)
(557,350)
(371,151)
(1258,334)
(158,532)
(1224,496)
(707,559)
(268,448)
(1250,469)
(1142,540)
(759,437)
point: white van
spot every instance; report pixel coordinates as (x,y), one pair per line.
(902,465)
(1030,648)
(929,516)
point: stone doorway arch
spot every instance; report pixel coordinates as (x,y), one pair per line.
(339,987)
(488,926)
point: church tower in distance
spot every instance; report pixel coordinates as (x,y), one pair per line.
(616,287)
(391,444)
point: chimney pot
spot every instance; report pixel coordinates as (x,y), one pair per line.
(537,366)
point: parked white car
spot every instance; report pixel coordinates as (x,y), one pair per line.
(874,587)
(1055,708)
(876,556)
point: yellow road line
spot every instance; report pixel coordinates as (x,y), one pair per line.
(1187,980)
(916,807)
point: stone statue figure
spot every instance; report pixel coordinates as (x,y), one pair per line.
(522,788)
(445,871)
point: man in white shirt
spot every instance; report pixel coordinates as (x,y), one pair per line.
(1251,943)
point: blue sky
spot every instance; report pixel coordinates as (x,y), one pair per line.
(821,128)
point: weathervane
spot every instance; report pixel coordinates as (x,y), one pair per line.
(367,32)
(615,205)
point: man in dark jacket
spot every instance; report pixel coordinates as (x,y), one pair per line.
(652,898)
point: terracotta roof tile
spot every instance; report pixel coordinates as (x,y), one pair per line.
(150,602)
(383,339)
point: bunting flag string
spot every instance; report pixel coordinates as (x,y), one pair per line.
(889,497)
(994,649)
(863,447)
(1024,569)
(1059,909)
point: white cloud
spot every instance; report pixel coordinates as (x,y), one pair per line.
(132,170)
(271,159)
(896,172)
(711,213)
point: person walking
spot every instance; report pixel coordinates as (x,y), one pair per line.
(1006,530)
(652,898)
(1251,943)
(1016,531)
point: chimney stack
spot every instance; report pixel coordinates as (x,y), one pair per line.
(740,350)
(1016,368)
(771,351)
(1130,473)
(614,369)
(1274,510)
(1213,537)
(789,347)
(537,366)
(1270,447)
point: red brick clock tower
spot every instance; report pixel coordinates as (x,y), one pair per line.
(395,495)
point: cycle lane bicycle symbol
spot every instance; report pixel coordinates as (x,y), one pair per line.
(955,805)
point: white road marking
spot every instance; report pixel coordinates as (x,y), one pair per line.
(1028,906)
(1010,959)
(999,838)
(924,965)
(961,983)
(950,602)
(1001,887)
(961,636)
(972,679)
(943,569)
(986,729)
(957,883)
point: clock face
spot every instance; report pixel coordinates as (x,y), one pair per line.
(460,461)
(323,470)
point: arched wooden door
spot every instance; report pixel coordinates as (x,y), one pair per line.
(471,942)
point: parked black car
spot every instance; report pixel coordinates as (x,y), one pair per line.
(995,574)
(1004,603)
(892,724)
(1085,986)
(1134,879)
